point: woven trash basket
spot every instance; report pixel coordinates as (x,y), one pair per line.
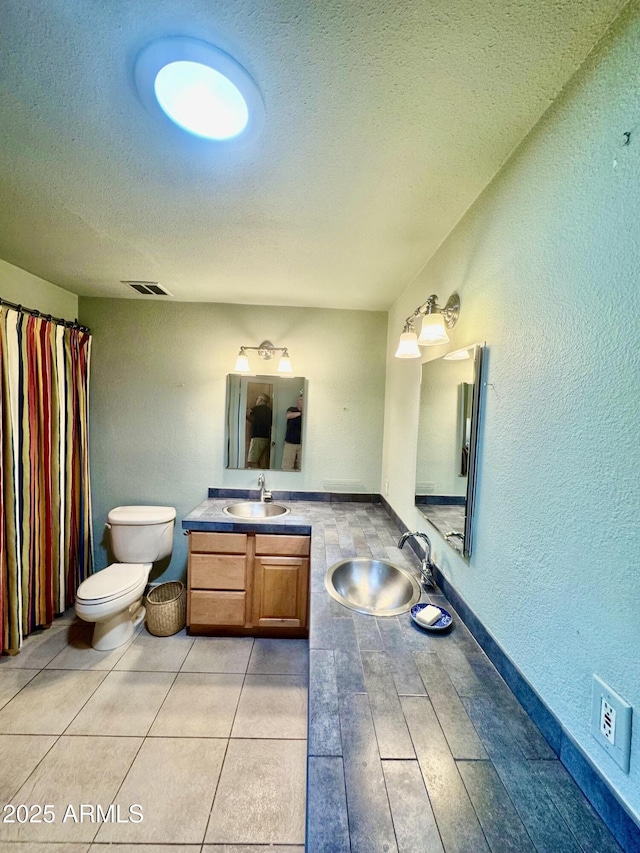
(166,609)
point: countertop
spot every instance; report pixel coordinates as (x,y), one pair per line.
(414,740)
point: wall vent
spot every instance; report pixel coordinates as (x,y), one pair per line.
(147,288)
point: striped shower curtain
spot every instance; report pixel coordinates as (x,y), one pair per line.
(45,512)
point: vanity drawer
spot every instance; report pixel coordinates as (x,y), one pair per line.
(217,571)
(218,543)
(217,608)
(274,545)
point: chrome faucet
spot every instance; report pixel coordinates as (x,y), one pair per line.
(265,495)
(426,566)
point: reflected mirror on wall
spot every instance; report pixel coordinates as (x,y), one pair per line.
(450,392)
(265,423)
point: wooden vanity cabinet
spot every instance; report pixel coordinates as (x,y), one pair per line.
(248,583)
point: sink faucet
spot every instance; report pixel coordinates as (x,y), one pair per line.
(426,566)
(265,495)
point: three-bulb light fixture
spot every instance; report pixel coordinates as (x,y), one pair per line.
(266,351)
(435,322)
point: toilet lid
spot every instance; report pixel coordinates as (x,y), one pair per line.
(112,582)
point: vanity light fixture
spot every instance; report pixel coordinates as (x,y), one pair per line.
(200,88)
(433,331)
(266,351)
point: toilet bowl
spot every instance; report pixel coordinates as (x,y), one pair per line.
(112,597)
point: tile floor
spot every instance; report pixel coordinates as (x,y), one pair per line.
(207,735)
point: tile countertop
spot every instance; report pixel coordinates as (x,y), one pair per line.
(346,660)
(414,740)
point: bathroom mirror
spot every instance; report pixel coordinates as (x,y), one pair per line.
(447,443)
(270,410)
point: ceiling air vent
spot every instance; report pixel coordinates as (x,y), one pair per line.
(147,288)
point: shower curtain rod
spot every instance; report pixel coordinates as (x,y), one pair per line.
(70,324)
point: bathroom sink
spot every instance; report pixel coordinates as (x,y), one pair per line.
(372,586)
(255,509)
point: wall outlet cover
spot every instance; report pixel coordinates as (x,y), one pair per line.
(611,722)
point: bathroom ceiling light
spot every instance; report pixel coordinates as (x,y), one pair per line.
(434,320)
(266,351)
(200,88)
(460,354)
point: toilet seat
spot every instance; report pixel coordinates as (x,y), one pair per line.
(111,583)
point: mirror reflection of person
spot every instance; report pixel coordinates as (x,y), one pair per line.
(260,417)
(292,453)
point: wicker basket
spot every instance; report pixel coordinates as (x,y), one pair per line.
(166,609)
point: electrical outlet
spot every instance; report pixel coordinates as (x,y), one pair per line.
(611,722)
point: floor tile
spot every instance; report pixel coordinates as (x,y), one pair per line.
(19,756)
(126,703)
(280,657)
(261,795)
(40,648)
(272,706)
(79,653)
(142,848)
(155,654)
(218,654)
(44,847)
(49,702)
(251,848)
(174,780)
(75,770)
(199,704)
(12,681)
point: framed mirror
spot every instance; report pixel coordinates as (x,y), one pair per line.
(265,422)
(450,392)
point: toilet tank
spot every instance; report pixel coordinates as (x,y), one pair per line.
(141,534)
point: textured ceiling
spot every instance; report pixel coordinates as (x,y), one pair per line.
(384,121)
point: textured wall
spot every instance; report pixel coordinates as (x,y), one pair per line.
(157,406)
(546,264)
(21,287)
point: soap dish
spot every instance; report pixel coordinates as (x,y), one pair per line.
(443,622)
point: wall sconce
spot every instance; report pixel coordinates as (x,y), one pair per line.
(433,331)
(266,351)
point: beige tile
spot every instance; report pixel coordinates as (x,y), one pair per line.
(252,848)
(49,702)
(280,657)
(12,681)
(219,654)
(156,654)
(150,848)
(44,847)
(174,780)
(199,704)
(76,770)
(126,703)
(40,648)
(261,794)
(272,706)
(79,653)
(19,755)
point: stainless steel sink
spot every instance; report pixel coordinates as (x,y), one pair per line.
(255,509)
(372,586)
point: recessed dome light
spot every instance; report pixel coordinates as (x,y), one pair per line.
(200,88)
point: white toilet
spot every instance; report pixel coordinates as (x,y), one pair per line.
(112,598)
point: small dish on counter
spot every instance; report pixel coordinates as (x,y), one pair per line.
(445,621)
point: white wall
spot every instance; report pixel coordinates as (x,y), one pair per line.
(21,287)
(157,403)
(546,264)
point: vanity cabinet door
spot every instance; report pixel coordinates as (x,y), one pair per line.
(280,592)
